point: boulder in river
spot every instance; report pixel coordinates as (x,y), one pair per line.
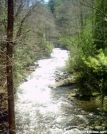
(64,82)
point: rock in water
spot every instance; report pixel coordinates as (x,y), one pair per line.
(65,82)
(73,131)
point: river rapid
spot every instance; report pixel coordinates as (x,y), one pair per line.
(43,110)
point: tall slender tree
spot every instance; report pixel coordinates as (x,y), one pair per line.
(9,46)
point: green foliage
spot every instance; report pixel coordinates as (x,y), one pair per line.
(66,40)
(31,37)
(3,24)
(52,4)
(93,71)
(88,64)
(100,24)
(80,46)
(85,36)
(48,48)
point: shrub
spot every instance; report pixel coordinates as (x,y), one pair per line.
(93,71)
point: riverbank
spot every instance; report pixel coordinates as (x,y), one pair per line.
(67,79)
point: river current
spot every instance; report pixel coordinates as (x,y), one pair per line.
(43,110)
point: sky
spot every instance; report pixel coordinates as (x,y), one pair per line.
(46,0)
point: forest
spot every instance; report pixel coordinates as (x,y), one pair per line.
(30,29)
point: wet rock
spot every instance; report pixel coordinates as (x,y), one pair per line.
(99,128)
(75,121)
(82,92)
(62,75)
(104,125)
(31,68)
(91,114)
(36,64)
(24,80)
(71,98)
(64,82)
(73,131)
(95,93)
(74,94)
(83,112)
(70,127)
(82,126)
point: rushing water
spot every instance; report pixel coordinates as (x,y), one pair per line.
(42,110)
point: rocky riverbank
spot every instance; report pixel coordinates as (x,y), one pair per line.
(92,109)
(67,79)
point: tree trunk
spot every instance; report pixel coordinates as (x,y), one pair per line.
(11,117)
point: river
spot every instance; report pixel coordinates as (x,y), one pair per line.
(43,110)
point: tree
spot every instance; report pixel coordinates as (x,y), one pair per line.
(19,41)
(100,26)
(9,69)
(90,60)
(52,4)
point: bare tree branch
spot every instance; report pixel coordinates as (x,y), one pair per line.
(23,20)
(85,3)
